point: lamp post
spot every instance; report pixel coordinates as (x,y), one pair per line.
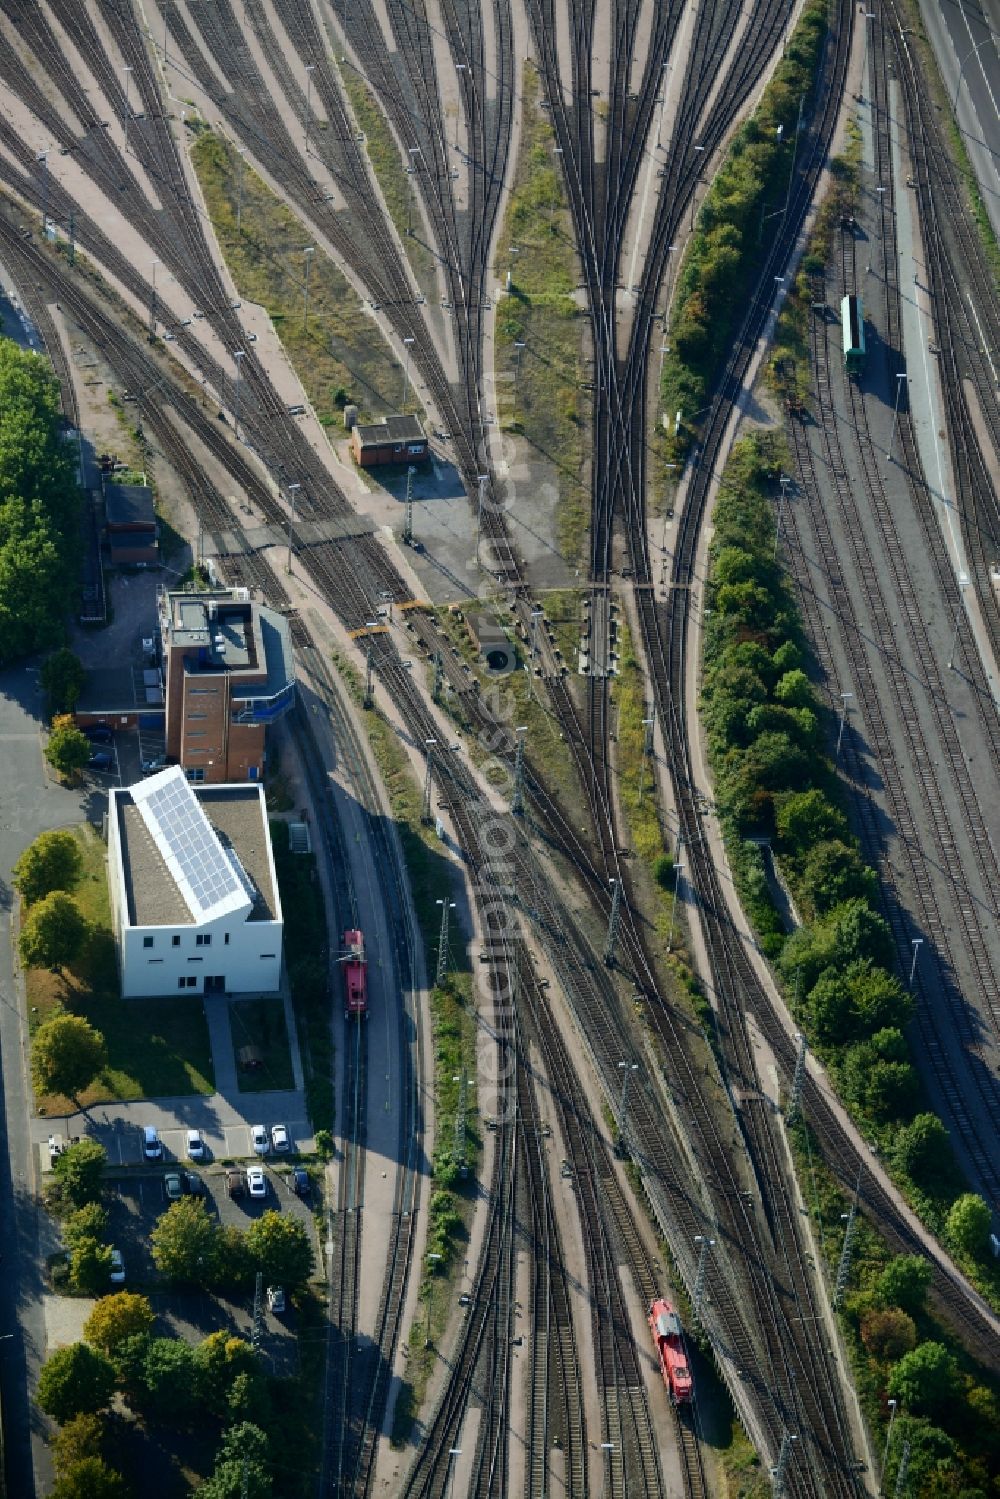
(963,583)
(239,355)
(453,1452)
(425,809)
(310,70)
(433,1258)
(893,1407)
(868,16)
(961,72)
(647,745)
(673,905)
(308,252)
(411,172)
(407,342)
(694,193)
(519,346)
(43,158)
(795,152)
(460,67)
(483,480)
(916,943)
(900,378)
(166,13)
(845,697)
(293,492)
(704,1245)
(514,250)
(625,1068)
(785,481)
(369,698)
(152,305)
(128,78)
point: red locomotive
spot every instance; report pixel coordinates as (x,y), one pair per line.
(355,974)
(668,1336)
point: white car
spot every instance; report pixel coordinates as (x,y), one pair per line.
(195,1145)
(117,1267)
(279,1137)
(256,1181)
(259,1140)
(151,1147)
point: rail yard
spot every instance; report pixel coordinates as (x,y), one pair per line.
(610,1203)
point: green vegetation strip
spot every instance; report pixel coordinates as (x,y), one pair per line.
(948,1408)
(340,354)
(392,177)
(777,789)
(545,405)
(307,943)
(454,1029)
(732,237)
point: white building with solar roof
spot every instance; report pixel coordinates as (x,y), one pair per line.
(194,895)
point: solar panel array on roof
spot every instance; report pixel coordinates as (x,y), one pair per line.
(190,845)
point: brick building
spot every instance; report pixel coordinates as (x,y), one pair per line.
(398,439)
(130,520)
(228,672)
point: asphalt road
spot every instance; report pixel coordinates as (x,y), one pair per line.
(29,803)
(965,35)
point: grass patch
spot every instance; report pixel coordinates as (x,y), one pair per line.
(261,1023)
(157,1048)
(392,177)
(341,351)
(306,952)
(546,403)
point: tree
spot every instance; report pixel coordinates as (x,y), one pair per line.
(80,1437)
(171,1378)
(805,818)
(80,1171)
(66,1055)
(68,750)
(878,998)
(54,933)
(129,1360)
(243,1455)
(52,862)
(249,1398)
(969,1223)
(87,1222)
(925,1380)
(832,873)
(90,1478)
(116,1318)
(62,677)
(794,690)
(878,1076)
(232,1270)
(829,1005)
(90,1267)
(75,1380)
(904,1283)
(184,1242)
(888,1334)
(280,1247)
(221,1359)
(922,1150)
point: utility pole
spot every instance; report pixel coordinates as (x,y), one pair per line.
(71,247)
(407,342)
(413,151)
(425,810)
(432,1260)
(517,793)
(844,1268)
(293,492)
(626,1068)
(258,1312)
(308,252)
(900,382)
(460,1115)
(408,513)
(795,152)
(798,1076)
(460,67)
(152,305)
(673,905)
(369,699)
(442,966)
(612,938)
(845,698)
(902,1472)
(310,70)
(239,355)
(484,479)
(128,79)
(43,158)
(780,1472)
(893,1408)
(916,943)
(705,1244)
(963,583)
(648,725)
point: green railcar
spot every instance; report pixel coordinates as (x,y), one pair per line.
(852,322)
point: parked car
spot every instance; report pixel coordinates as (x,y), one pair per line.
(279,1138)
(173,1186)
(98,734)
(193,1184)
(235,1182)
(259,1140)
(298,1181)
(276,1299)
(57,1145)
(100,760)
(256,1181)
(117,1268)
(195,1145)
(151,1147)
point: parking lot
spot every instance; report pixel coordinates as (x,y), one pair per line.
(224,1141)
(129,749)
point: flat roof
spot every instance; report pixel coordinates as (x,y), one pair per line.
(392,429)
(129,505)
(158,893)
(221,631)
